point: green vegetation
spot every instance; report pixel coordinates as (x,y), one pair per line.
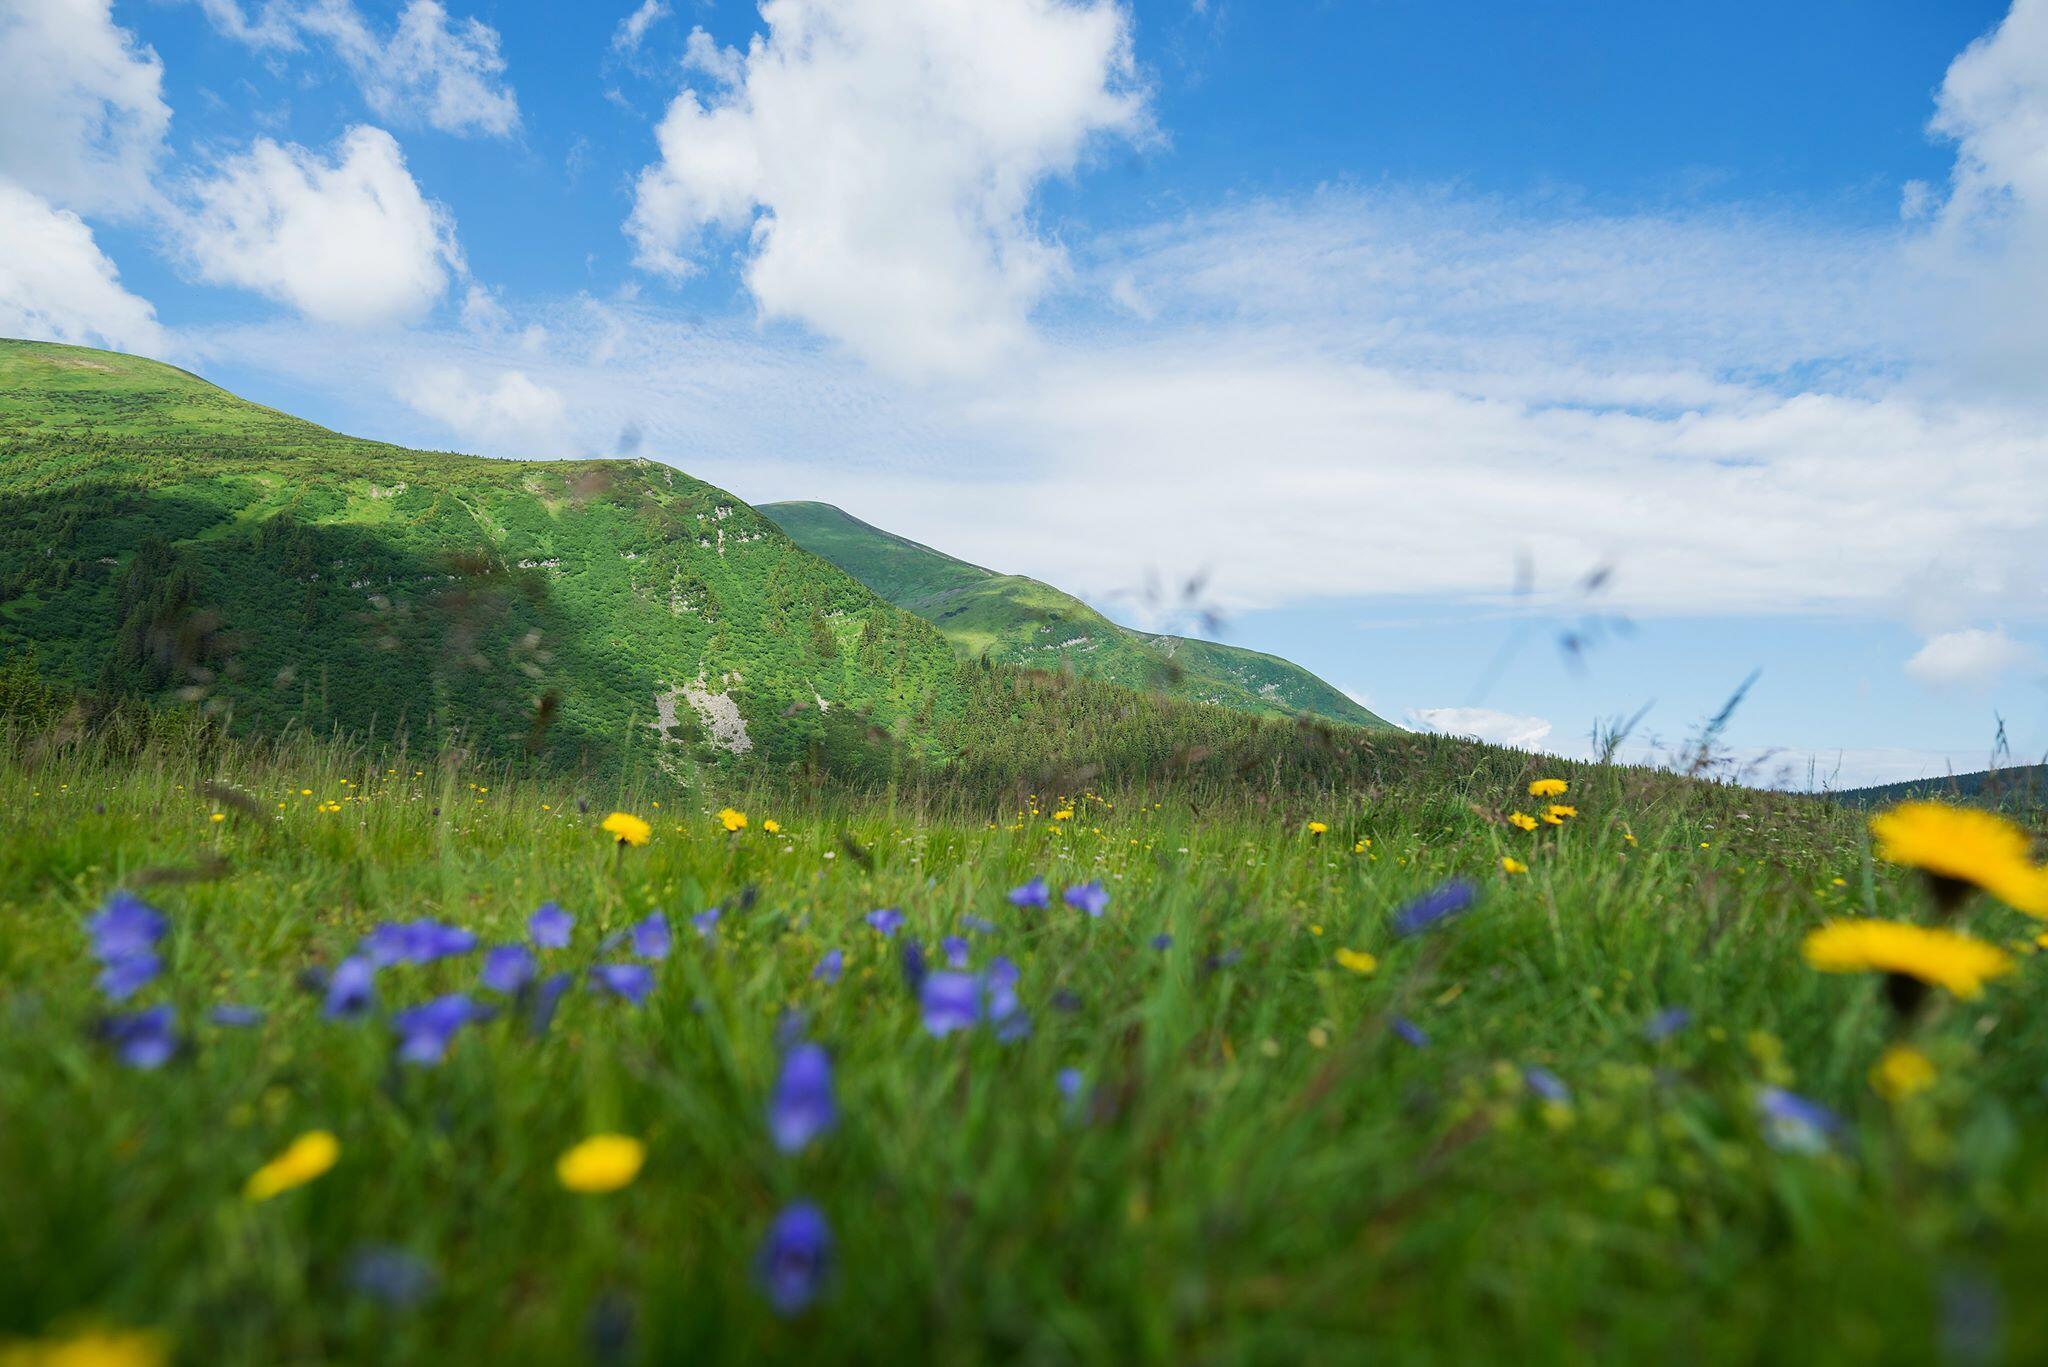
(2021,786)
(1013,620)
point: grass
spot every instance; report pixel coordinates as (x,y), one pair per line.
(1258,1168)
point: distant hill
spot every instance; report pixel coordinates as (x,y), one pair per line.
(2024,785)
(1014,620)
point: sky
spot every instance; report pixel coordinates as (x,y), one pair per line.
(1518,368)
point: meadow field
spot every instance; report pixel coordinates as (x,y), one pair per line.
(305,1046)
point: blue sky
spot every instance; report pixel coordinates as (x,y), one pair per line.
(1372,311)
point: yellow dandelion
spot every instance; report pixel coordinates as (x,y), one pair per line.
(1960,847)
(304,1159)
(1548,787)
(217,817)
(1510,864)
(732,819)
(1063,814)
(603,1162)
(772,826)
(1357,961)
(1939,958)
(93,1348)
(1903,1071)
(1521,821)
(1358,846)
(1317,828)
(627,829)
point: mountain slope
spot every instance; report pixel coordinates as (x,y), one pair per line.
(1013,620)
(167,540)
(2023,786)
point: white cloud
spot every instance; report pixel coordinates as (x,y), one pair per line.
(632,30)
(349,240)
(55,285)
(1972,657)
(512,408)
(82,113)
(1482,723)
(881,158)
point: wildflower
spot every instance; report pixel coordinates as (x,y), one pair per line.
(122,978)
(394,1277)
(627,829)
(125,925)
(911,961)
(801,1106)
(1063,814)
(1556,814)
(1356,961)
(425,1031)
(1410,1031)
(1960,848)
(1902,1072)
(1521,821)
(651,937)
(705,922)
(886,921)
(1000,986)
(145,1039)
(1358,846)
(830,966)
(794,1257)
(1161,942)
(508,968)
(350,988)
(951,1001)
(1547,1085)
(955,950)
(236,1017)
(1070,1082)
(1438,904)
(1090,897)
(92,1348)
(631,981)
(304,1159)
(1793,1123)
(980,925)
(415,942)
(772,826)
(1939,958)
(1510,864)
(1548,787)
(1318,828)
(1032,894)
(601,1163)
(733,821)
(1666,1023)
(550,926)
(541,1010)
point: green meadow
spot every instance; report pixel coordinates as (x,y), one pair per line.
(1538,1129)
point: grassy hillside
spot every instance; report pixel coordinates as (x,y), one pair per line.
(1015,620)
(167,540)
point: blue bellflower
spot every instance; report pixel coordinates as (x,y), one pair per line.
(801,1106)
(425,1031)
(1031,894)
(508,968)
(1091,897)
(1435,906)
(549,927)
(145,1039)
(631,981)
(652,938)
(794,1258)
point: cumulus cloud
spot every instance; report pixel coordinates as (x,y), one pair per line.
(1972,657)
(56,285)
(632,29)
(511,408)
(1482,723)
(82,113)
(348,239)
(879,159)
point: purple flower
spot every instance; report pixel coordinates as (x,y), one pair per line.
(146,1039)
(706,922)
(801,1107)
(546,997)
(1411,1032)
(1666,1023)
(1000,982)
(124,926)
(236,1017)
(952,1001)
(1070,1082)
(508,968)
(1092,898)
(886,921)
(1162,942)
(830,966)
(1793,1123)
(550,926)
(128,974)
(955,950)
(1547,1085)
(1438,904)
(794,1257)
(415,942)
(425,1031)
(980,925)
(1032,894)
(651,938)
(913,965)
(392,1276)
(631,981)
(790,1027)
(351,987)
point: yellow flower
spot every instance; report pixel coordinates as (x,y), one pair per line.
(1358,846)
(1317,828)
(1063,814)
(218,816)
(1903,1071)
(772,826)
(304,1159)
(93,1348)
(1940,958)
(1548,787)
(603,1162)
(627,828)
(1521,821)
(1357,961)
(731,819)
(1962,845)
(1510,864)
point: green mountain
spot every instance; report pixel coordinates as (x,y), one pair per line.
(167,541)
(2023,786)
(1013,620)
